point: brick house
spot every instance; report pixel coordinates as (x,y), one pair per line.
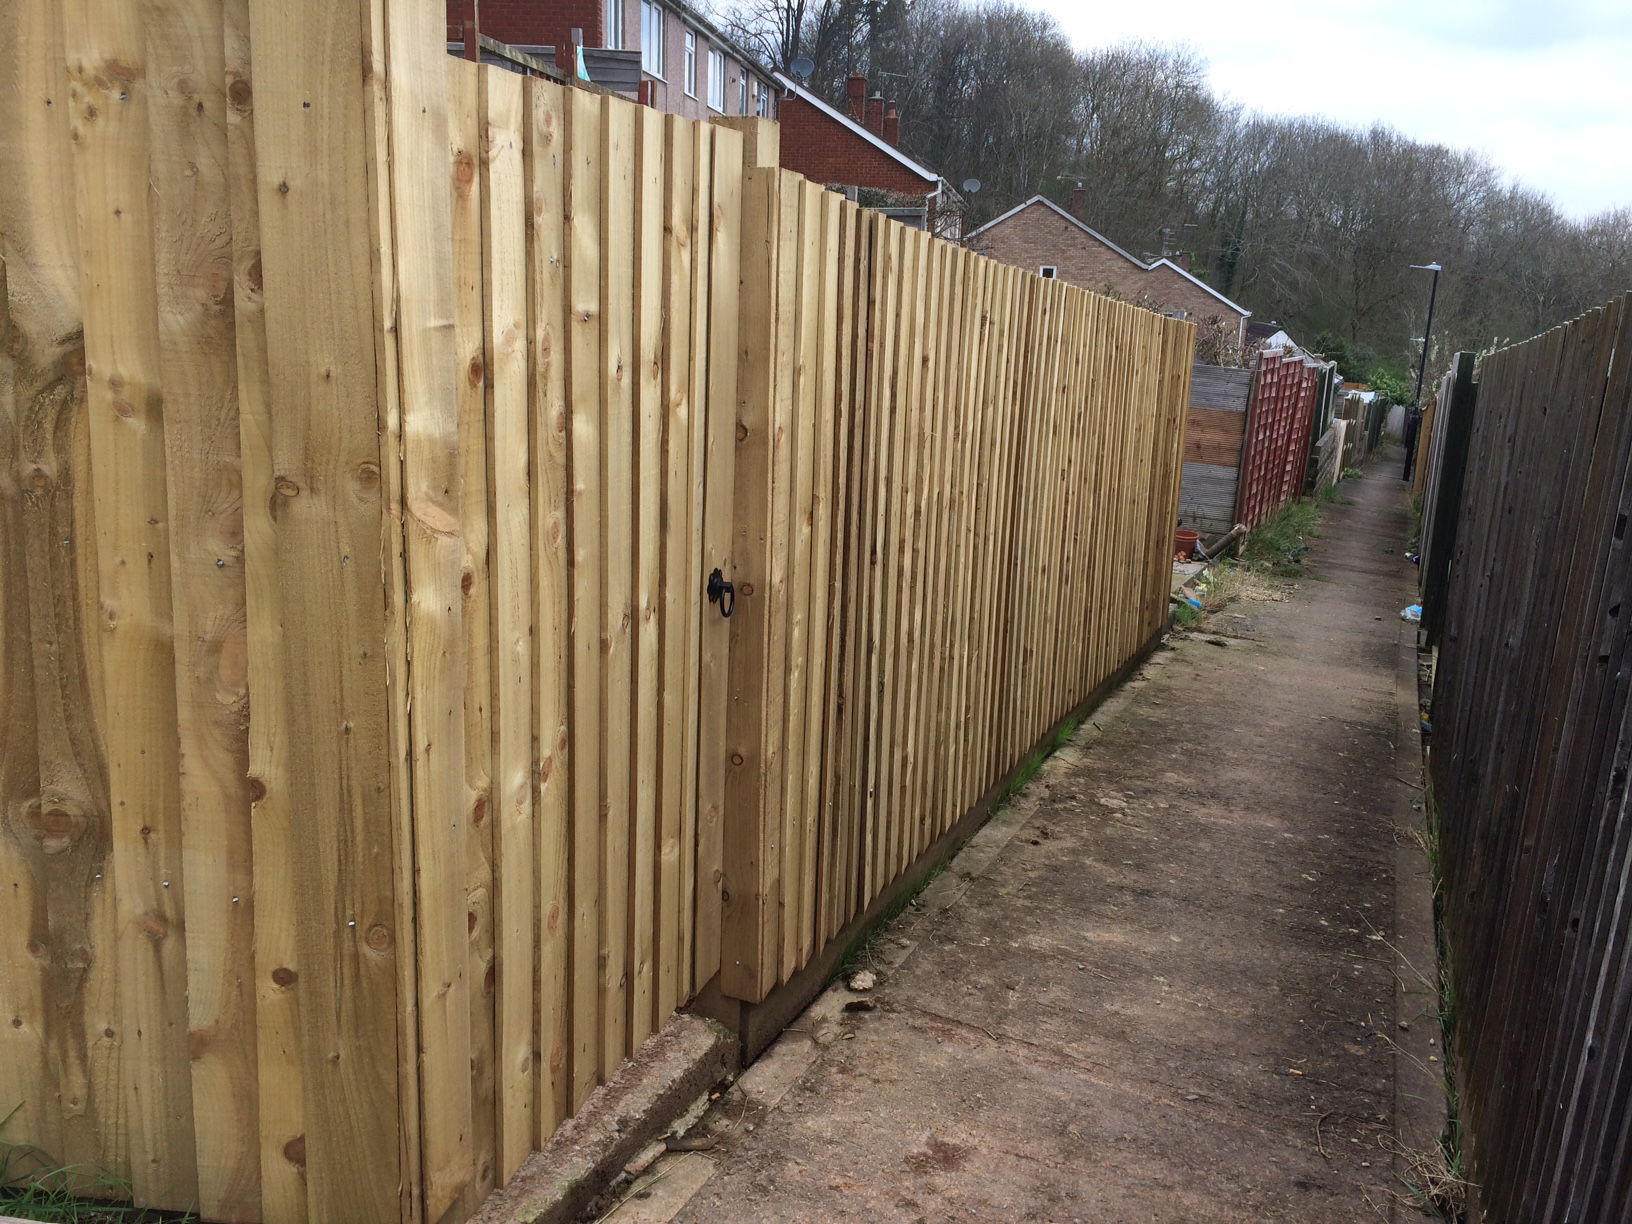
(675,58)
(857,149)
(1044,238)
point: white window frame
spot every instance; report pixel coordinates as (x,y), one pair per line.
(742,92)
(688,56)
(1048,271)
(716,80)
(614,24)
(762,102)
(653,32)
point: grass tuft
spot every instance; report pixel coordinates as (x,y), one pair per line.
(1280,544)
(34,1187)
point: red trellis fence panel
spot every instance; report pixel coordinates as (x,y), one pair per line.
(1279,417)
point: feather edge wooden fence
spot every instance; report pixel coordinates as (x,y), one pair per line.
(1532,733)
(376,775)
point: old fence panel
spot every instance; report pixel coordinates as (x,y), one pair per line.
(1529,760)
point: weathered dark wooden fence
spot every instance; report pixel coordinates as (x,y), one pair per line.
(1530,751)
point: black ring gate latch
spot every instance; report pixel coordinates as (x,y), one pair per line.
(722,592)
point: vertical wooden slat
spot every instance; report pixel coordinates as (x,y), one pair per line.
(108,90)
(725,299)
(61,1047)
(504,274)
(585,158)
(646,370)
(804,302)
(337,855)
(749,932)
(697,894)
(619,371)
(192,257)
(546,170)
(416,114)
(469,329)
(675,700)
(830,421)
(280,1182)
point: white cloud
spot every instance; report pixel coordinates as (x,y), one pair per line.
(1543,88)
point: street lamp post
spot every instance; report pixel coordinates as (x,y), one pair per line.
(1413,420)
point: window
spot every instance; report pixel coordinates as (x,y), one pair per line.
(1048,272)
(716,80)
(651,37)
(742,94)
(691,64)
(762,107)
(614,24)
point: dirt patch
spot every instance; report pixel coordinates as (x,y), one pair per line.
(1168,995)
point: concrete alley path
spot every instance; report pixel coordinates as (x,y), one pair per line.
(1159,985)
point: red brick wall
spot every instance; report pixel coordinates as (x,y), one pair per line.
(1176,292)
(534,23)
(825,151)
(1038,235)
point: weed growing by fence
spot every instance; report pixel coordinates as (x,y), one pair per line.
(33,1189)
(1279,545)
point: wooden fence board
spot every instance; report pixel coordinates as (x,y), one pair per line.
(428,395)
(504,201)
(586,509)
(129,495)
(192,244)
(545,161)
(646,368)
(477,620)
(1528,760)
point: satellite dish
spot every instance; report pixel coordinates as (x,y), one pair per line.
(801,68)
(971,185)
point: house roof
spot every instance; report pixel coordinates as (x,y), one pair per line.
(1100,238)
(1049,204)
(924,172)
(1201,284)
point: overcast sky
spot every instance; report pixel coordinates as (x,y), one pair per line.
(1544,87)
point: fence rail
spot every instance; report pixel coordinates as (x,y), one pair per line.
(1531,740)
(370,423)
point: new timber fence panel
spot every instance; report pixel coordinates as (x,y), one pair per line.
(1529,760)
(370,423)
(1063,440)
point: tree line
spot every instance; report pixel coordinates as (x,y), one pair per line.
(1305,221)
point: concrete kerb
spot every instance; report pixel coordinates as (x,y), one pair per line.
(718,1037)
(635,1108)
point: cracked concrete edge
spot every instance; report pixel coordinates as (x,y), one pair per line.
(1420,1107)
(637,1106)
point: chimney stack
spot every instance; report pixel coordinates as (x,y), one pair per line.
(892,123)
(874,122)
(855,89)
(1078,202)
